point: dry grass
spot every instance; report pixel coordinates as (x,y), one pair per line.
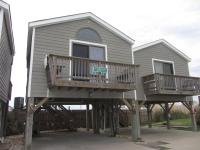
(13,143)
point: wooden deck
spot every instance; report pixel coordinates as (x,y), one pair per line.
(161,84)
(65,71)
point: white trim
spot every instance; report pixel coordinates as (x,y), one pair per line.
(164,61)
(1,21)
(4,5)
(71,41)
(135,49)
(78,17)
(31,63)
(133,59)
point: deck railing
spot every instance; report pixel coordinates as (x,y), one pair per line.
(82,72)
(171,84)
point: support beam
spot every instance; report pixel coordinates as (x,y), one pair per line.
(190,107)
(92,117)
(117,118)
(3,119)
(40,104)
(29,123)
(112,123)
(167,109)
(127,103)
(97,119)
(135,122)
(36,123)
(149,114)
(87,117)
(105,118)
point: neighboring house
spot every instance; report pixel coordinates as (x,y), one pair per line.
(78,59)
(6,60)
(164,75)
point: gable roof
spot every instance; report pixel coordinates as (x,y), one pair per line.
(8,22)
(162,41)
(89,15)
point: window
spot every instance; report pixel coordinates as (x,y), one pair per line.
(163,67)
(82,69)
(166,81)
(88,34)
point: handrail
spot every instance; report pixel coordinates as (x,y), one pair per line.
(92,60)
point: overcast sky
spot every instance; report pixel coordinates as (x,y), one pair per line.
(177,21)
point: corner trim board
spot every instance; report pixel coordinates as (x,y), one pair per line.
(1,21)
(31,63)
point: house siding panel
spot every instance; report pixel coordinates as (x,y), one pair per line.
(54,39)
(5,64)
(158,51)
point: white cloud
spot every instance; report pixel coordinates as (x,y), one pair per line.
(176,21)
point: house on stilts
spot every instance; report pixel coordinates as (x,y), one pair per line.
(164,78)
(81,59)
(7,51)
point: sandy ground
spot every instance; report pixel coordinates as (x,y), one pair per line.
(155,138)
(82,141)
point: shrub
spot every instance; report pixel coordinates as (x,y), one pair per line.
(179,114)
(158,115)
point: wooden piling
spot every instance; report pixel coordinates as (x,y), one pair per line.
(29,123)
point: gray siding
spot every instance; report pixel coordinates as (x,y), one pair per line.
(158,51)
(55,39)
(5,64)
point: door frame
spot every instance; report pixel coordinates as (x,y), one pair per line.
(164,61)
(72,41)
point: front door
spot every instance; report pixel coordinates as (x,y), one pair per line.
(80,68)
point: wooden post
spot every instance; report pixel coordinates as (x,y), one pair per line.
(167,115)
(29,123)
(149,114)
(92,117)
(111,120)
(36,123)
(87,117)
(117,118)
(3,119)
(104,118)
(2,115)
(193,117)
(135,121)
(97,119)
